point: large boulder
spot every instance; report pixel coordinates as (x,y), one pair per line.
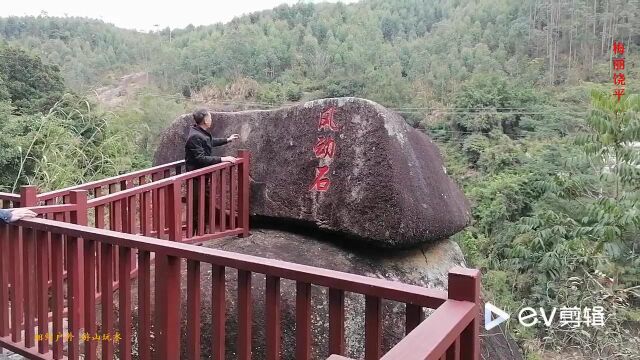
(373,178)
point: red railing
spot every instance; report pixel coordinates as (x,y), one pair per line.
(56,268)
(8,201)
(138,203)
(116,183)
(27,305)
(143,209)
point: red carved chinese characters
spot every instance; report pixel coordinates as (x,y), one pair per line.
(618,65)
(324,148)
(321,183)
(326,120)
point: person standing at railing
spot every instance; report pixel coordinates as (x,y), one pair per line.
(199,154)
(12,215)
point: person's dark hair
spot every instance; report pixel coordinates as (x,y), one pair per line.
(199,115)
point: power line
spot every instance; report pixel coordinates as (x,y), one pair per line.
(475,112)
(433,132)
(405,109)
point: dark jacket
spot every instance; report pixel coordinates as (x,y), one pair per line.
(5,215)
(199,148)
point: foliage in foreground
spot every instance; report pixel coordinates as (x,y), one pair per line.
(69,143)
(555,231)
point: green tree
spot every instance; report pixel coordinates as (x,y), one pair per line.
(32,85)
(613,142)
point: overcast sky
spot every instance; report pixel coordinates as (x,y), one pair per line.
(144,14)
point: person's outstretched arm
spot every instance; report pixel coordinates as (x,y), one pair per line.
(9,216)
(219,142)
(222,141)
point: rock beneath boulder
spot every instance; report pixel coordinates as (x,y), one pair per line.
(344,165)
(427,266)
(406,266)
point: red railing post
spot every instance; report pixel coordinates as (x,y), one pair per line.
(373,328)
(126,226)
(4,280)
(274,327)
(144,305)
(75,302)
(170,313)
(193,309)
(464,285)
(167,281)
(160,298)
(106,296)
(219,304)
(243,192)
(16,281)
(244,315)
(336,322)
(174,211)
(303,321)
(156,206)
(28,196)
(91,289)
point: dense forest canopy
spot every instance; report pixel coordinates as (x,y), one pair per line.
(395,52)
(518,95)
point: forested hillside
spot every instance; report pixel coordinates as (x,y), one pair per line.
(396,52)
(517,93)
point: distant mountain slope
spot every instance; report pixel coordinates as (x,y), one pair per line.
(125,89)
(388,51)
(86,50)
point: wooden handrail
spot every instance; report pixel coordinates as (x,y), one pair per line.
(48,209)
(9,196)
(206,170)
(390,290)
(129,192)
(112,180)
(157,184)
(435,337)
(423,343)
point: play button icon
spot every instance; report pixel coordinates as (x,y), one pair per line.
(489,311)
